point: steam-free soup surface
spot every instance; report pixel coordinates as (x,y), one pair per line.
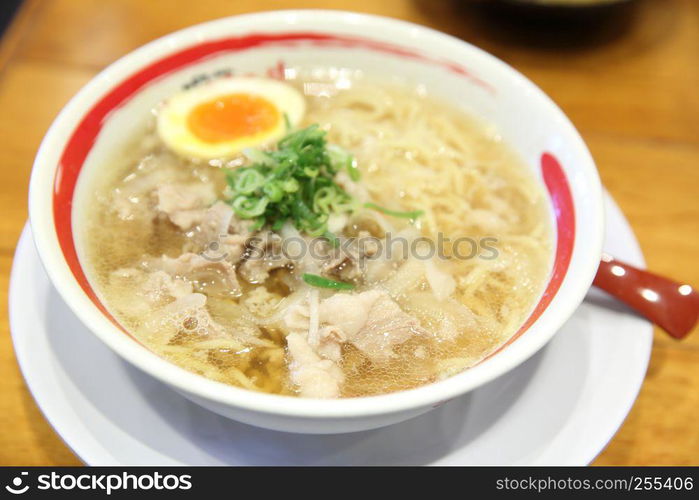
(202,286)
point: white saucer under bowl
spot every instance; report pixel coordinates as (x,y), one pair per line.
(561,407)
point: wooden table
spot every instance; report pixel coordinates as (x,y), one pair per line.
(630,86)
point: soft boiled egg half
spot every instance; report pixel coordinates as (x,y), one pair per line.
(221,118)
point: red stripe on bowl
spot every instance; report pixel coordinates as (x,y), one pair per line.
(564,213)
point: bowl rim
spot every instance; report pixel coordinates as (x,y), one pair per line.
(575,285)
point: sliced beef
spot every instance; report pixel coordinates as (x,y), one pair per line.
(215,230)
(371,320)
(264,254)
(314,376)
(171,307)
(214,224)
(184,204)
(153,290)
(215,277)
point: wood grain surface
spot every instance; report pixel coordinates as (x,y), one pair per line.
(629,81)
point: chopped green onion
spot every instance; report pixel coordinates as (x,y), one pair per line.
(340,158)
(274,191)
(290,186)
(353,170)
(278,224)
(248,181)
(321,282)
(259,222)
(249,208)
(328,199)
(395,213)
(310,172)
(334,240)
(258,156)
(296,182)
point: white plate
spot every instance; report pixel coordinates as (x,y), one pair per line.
(561,407)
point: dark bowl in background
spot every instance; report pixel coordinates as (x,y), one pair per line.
(558,9)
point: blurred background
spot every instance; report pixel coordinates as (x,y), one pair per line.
(625,72)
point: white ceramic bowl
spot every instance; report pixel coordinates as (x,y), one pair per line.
(106,111)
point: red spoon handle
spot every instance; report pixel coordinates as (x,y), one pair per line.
(672,306)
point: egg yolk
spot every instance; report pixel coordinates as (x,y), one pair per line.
(232,116)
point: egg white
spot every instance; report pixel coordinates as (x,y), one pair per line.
(172,117)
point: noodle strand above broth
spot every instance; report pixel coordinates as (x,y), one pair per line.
(400,244)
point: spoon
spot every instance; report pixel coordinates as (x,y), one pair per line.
(672,306)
